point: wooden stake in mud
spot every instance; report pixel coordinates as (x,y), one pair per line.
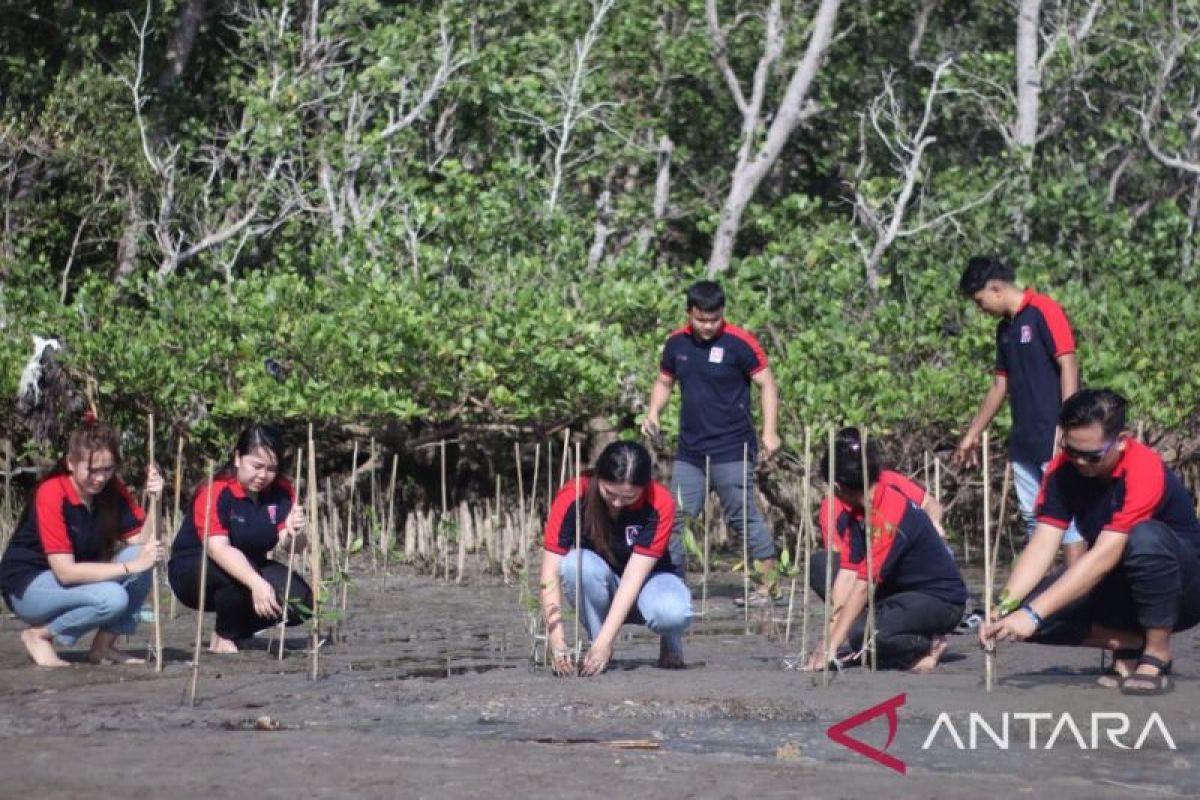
(287,584)
(208,471)
(745,535)
(706,510)
(830,521)
(389,531)
(528,535)
(315,558)
(345,576)
(562,477)
(1001,525)
(8,500)
(578,558)
(177,518)
(521,519)
(989,565)
(152,513)
(869,532)
(806,533)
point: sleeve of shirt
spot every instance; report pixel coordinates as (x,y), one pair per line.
(51,524)
(653,541)
(1062,339)
(209,498)
(131,516)
(560,525)
(666,364)
(752,358)
(1051,507)
(1144,489)
(909,488)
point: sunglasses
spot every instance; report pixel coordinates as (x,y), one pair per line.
(1088,456)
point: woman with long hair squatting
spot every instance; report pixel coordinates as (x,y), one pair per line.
(627,571)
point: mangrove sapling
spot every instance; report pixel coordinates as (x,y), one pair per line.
(208,471)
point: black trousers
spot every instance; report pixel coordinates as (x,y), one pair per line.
(906,622)
(1155,585)
(233,601)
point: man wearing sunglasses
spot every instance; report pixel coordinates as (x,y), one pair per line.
(1139,580)
(1036,369)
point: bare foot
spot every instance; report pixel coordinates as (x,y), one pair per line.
(1122,667)
(927,662)
(39,642)
(669,657)
(219,644)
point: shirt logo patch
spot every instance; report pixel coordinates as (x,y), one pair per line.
(1026,334)
(716,355)
(632,532)
(273,513)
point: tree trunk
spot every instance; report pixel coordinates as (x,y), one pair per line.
(183,41)
(1025,126)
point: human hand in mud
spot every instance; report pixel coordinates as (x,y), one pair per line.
(266,605)
(817,661)
(597,658)
(154,481)
(1011,628)
(563,662)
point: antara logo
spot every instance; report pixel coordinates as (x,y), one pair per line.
(1114,725)
(838,733)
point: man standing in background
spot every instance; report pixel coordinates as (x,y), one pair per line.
(714,363)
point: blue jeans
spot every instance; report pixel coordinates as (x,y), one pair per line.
(1028,479)
(729,480)
(664,604)
(71,611)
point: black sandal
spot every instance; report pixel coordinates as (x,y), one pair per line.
(1158,684)
(1110,678)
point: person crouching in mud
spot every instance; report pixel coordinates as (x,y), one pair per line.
(627,572)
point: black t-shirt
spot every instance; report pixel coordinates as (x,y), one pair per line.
(715,418)
(1140,488)
(907,554)
(58,522)
(643,527)
(1028,347)
(252,524)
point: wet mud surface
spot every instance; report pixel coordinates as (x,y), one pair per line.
(429,692)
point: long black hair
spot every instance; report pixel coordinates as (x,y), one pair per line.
(620,462)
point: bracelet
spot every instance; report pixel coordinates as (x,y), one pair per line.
(1033,615)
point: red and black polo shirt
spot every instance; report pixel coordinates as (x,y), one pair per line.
(835,527)
(715,418)
(251,523)
(1027,350)
(907,555)
(644,527)
(1141,487)
(59,522)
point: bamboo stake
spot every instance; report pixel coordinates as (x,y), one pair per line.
(549,474)
(287,584)
(745,537)
(706,509)
(522,521)
(315,558)
(806,532)
(390,531)
(578,558)
(376,524)
(1000,519)
(156,533)
(868,530)
(8,500)
(345,576)
(177,518)
(530,534)
(829,523)
(562,477)
(989,565)
(208,504)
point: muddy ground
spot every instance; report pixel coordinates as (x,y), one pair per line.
(430,693)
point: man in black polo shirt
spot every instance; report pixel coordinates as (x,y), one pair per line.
(1036,369)
(715,363)
(1138,581)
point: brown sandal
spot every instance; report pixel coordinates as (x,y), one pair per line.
(1152,684)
